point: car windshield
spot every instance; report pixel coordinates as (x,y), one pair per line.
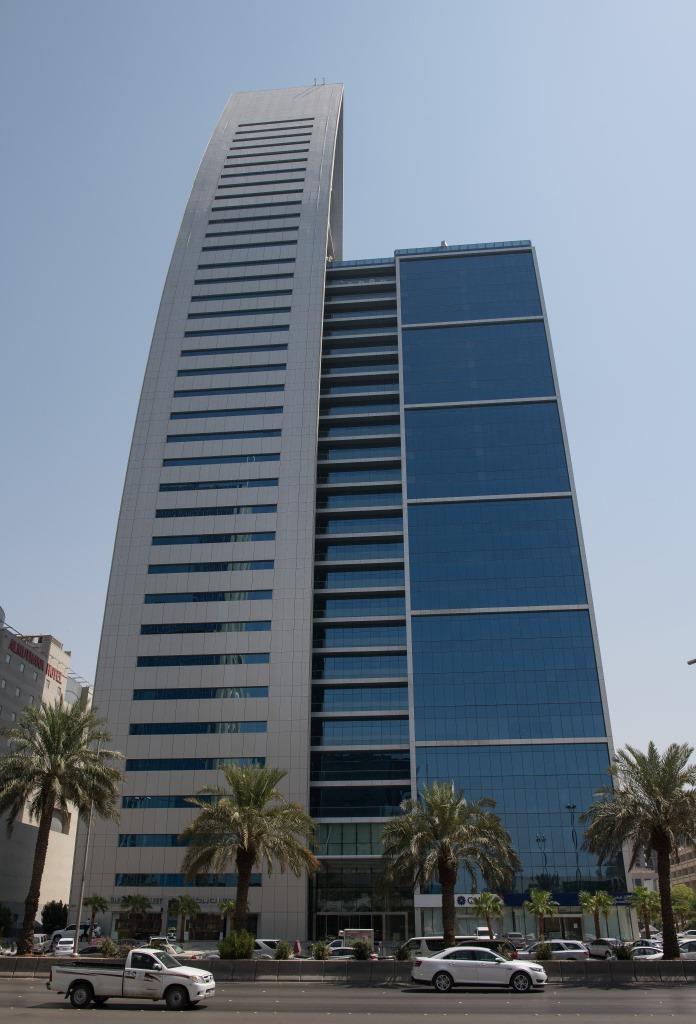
(167,960)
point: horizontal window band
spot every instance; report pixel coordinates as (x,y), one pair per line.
(243,152)
(213,538)
(251,389)
(251,245)
(214,460)
(252,231)
(219,485)
(284,120)
(202,693)
(203,414)
(245,263)
(292,132)
(263,174)
(269,142)
(257,206)
(269,185)
(248,565)
(256,329)
(174,660)
(231,350)
(195,728)
(263,311)
(226,297)
(254,162)
(456,499)
(215,510)
(254,368)
(183,764)
(242,280)
(228,435)
(209,596)
(168,628)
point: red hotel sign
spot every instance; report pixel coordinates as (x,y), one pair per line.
(36,661)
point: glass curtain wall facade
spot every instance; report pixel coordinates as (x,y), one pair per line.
(348,547)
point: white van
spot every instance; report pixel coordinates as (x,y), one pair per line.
(42,942)
(426,945)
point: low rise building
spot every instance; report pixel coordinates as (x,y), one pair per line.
(684,869)
(34,669)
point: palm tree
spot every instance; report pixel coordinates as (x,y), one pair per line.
(55,761)
(488,905)
(589,905)
(652,807)
(97,905)
(440,832)
(542,906)
(247,824)
(186,908)
(135,907)
(226,907)
(646,904)
(605,904)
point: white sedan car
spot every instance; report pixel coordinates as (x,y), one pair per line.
(561,949)
(687,949)
(475,965)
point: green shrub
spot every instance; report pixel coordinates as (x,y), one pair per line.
(543,951)
(54,915)
(283,951)
(320,950)
(624,952)
(109,948)
(361,950)
(124,949)
(236,946)
(402,953)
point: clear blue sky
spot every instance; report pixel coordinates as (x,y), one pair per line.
(570,124)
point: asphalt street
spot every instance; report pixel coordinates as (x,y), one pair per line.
(28,1001)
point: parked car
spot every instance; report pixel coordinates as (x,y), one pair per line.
(426,945)
(687,949)
(690,933)
(42,942)
(348,953)
(515,939)
(176,949)
(646,942)
(64,947)
(561,949)
(603,949)
(264,949)
(475,965)
(69,933)
(147,974)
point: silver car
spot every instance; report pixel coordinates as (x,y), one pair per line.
(476,965)
(561,949)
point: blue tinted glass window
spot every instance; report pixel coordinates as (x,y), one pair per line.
(362,606)
(436,290)
(200,693)
(353,731)
(168,567)
(361,524)
(357,430)
(146,803)
(206,414)
(351,551)
(219,485)
(359,666)
(359,698)
(552,778)
(498,449)
(505,676)
(212,510)
(459,364)
(336,453)
(165,628)
(173,880)
(150,839)
(359,499)
(218,460)
(193,728)
(212,538)
(370,474)
(357,801)
(187,764)
(348,839)
(209,595)
(373,635)
(339,765)
(183,660)
(341,579)
(231,435)
(495,554)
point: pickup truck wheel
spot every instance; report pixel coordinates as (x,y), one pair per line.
(81,995)
(176,998)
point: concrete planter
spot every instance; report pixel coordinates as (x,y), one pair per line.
(622,972)
(574,971)
(358,972)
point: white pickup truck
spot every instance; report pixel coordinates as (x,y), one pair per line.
(147,974)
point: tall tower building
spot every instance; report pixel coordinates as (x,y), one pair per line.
(348,546)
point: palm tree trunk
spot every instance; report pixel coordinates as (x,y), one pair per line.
(646,923)
(245,862)
(91,925)
(488,925)
(596,923)
(31,904)
(669,932)
(541,927)
(448,879)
